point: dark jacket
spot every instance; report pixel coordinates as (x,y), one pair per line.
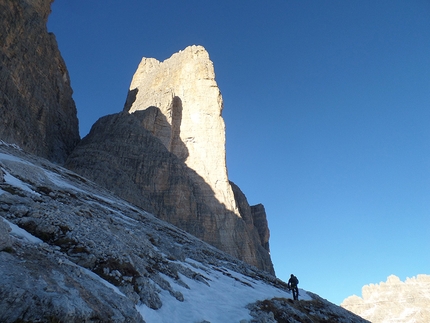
(293,281)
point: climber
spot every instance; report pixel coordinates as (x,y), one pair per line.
(292,285)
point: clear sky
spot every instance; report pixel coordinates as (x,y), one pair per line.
(327,110)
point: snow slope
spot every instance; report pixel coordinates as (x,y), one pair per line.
(223,297)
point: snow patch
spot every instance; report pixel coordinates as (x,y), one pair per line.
(60,182)
(223,300)
(104,282)
(13,181)
(3,143)
(13,158)
(21,233)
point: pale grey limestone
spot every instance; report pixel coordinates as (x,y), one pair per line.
(393,300)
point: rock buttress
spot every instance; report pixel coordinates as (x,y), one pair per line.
(37,111)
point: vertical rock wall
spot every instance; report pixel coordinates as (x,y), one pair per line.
(37,111)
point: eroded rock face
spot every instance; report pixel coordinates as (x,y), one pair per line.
(393,301)
(254,216)
(37,111)
(166,153)
(124,157)
(260,223)
(5,241)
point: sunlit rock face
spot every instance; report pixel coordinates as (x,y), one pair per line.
(393,301)
(184,90)
(37,111)
(166,153)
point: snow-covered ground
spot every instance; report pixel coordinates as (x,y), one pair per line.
(223,298)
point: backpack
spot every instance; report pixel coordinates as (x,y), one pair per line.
(294,281)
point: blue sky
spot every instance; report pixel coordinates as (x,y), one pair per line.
(327,110)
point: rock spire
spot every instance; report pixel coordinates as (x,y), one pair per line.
(184,89)
(166,153)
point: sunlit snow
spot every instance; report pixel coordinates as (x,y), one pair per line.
(224,300)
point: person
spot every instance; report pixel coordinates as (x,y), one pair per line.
(292,285)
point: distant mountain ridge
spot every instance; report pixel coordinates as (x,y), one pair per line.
(393,301)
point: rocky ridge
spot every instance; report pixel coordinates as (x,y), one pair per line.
(393,301)
(70,251)
(37,111)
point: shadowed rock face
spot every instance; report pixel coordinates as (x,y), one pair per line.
(254,216)
(260,222)
(37,111)
(123,156)
(184,89)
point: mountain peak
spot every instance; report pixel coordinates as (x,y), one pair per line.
(174,164)
(393,300)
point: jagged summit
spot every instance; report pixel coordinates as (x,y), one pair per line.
(184,90)
(393,300)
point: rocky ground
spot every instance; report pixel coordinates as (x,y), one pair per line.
(72,252)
